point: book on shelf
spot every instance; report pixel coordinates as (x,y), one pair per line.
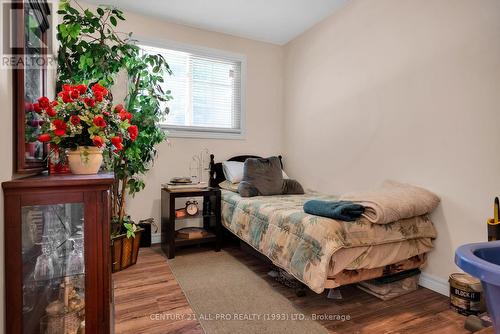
(191,233)
(185,186)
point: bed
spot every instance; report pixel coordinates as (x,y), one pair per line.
(321,252)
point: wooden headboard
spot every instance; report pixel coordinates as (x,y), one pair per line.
(216,173)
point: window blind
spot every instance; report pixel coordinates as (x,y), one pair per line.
(206,90)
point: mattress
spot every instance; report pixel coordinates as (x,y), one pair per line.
(313,249)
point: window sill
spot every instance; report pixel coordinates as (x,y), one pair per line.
(176,133)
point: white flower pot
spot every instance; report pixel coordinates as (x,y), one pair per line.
(85,160)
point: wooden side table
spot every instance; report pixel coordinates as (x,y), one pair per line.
(211,220)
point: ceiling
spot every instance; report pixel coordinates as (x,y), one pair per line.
(273,21)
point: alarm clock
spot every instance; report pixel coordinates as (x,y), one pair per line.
(192,207)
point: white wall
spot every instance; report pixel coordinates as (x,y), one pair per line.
(407,90)
(264,104)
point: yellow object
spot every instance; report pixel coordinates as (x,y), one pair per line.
(491,221)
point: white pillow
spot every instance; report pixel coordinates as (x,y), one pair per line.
(233,171)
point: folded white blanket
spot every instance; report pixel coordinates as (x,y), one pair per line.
(394,201)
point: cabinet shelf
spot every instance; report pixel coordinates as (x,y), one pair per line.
(54,279)
(197,216)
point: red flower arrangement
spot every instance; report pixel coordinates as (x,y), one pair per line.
(83,117)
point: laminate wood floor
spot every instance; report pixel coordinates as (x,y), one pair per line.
(149,300)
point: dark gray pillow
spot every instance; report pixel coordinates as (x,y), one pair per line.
(292,187)
(261,177)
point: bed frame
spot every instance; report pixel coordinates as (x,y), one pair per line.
(216,173)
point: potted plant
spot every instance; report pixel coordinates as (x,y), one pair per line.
(91,50)
(81,121)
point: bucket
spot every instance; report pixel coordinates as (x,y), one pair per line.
(466,294)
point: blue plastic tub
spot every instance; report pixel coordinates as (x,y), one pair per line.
(482,260)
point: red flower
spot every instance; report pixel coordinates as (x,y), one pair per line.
(105,113)
(81,88)
(99,89)
(119,107)
(99,121)
(75,93)
(133,131)
(36,108)
(60,127)
(89,101)
(75,120)
(50,112)
(44,102)
(98,142)
(117,143)
(98,96)
(44,138)
(116,140)
(125,115)
(67,88)
(54,103)
(66,97)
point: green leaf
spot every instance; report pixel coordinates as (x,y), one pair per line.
(72,10)
(113,20)
(88,13)
(100,11)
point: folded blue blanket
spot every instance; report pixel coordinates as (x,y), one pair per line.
(340,210)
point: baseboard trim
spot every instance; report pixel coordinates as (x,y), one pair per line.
(156,238)
(435,284)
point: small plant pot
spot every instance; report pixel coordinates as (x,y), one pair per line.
(124,251)
(85,160)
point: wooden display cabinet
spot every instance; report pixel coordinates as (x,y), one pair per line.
(57,254)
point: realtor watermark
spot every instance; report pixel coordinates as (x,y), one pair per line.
(249,317)
(27,30)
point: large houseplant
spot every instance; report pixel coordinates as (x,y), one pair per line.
(93,51)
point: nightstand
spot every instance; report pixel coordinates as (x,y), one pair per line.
(211,215)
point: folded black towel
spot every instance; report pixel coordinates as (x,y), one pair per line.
(340,210)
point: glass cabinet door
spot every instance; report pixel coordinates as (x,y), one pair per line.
(53,269)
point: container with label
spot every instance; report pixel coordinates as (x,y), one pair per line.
(466,294)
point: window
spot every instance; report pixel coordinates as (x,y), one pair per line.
(207,90)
